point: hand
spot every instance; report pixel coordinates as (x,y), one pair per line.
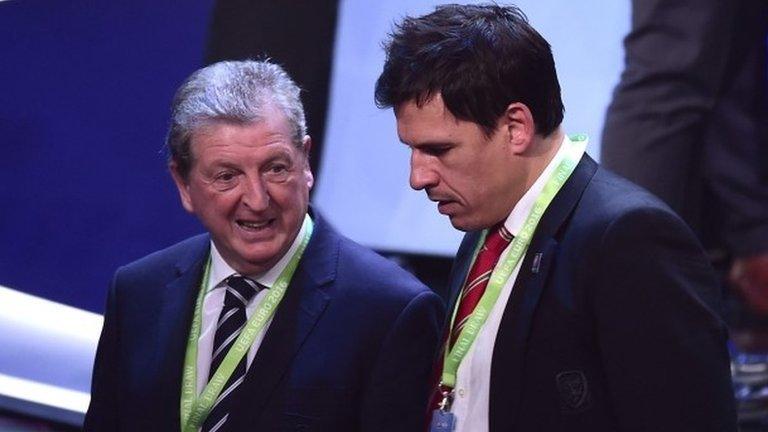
(749,275)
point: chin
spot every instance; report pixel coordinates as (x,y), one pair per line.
(469,225)
(461,225)
(262,259)
(253,261)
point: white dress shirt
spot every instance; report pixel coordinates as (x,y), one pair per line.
(473,379)
(214,302)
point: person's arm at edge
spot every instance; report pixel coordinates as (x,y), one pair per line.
(102,413)
(397,392)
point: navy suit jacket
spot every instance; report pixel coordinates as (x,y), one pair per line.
(611,324)
(349,349)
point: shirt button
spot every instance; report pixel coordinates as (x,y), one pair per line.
(461,392)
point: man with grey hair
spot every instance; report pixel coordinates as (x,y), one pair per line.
(272,320)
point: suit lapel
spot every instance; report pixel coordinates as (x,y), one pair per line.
(510,347)
(175,316)
(301,308)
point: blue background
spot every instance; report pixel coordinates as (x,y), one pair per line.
(85,90)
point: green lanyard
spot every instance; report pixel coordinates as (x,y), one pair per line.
(501,273)
(194,409)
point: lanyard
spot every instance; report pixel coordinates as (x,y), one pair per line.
(195,409)
(501,273)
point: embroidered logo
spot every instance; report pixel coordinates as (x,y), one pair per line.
(574,391)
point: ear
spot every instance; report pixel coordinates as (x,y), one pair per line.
(517,122)
(182,185)
(306,146)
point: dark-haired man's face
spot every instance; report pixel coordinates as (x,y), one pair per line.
(470,176)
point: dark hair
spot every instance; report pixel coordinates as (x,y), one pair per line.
(480,58)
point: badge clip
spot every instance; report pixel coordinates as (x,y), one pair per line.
(447,400)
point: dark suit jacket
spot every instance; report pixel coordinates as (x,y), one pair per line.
(610,325)
(349,349)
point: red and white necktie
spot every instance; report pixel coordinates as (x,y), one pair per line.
(497,240)
(495,243)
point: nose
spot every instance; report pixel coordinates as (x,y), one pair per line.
(255,194)
(422,174)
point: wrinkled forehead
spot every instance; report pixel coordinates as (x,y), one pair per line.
(246,141)
(272,121)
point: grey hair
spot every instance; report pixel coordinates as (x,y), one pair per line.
(233,91)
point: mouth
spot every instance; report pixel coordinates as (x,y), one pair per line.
(446,207)
(254,226)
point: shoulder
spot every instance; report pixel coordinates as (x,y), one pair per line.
(611,203)
(391,299)
(363,275)
(615,219)
(362,266)
(615,195)
(642,257)
(627,223)
(167,263)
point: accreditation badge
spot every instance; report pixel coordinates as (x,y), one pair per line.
(442,421)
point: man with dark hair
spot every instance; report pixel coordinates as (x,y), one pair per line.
(273,320)
(579,301)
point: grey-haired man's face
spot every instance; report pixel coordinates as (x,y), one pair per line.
(249,186)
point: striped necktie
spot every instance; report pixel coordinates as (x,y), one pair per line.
(240,291)
(497,240)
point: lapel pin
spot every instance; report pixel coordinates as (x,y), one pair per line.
(536,263)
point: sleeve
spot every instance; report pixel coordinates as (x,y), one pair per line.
(395,398)
(102,412)
(661,342)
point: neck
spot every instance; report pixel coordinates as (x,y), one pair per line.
(542,151)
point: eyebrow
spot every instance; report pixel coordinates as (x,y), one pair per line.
(222,163)
(280,156)
(423,144)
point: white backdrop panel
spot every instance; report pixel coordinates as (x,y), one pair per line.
(363,188)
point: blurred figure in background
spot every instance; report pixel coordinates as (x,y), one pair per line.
(688,122)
